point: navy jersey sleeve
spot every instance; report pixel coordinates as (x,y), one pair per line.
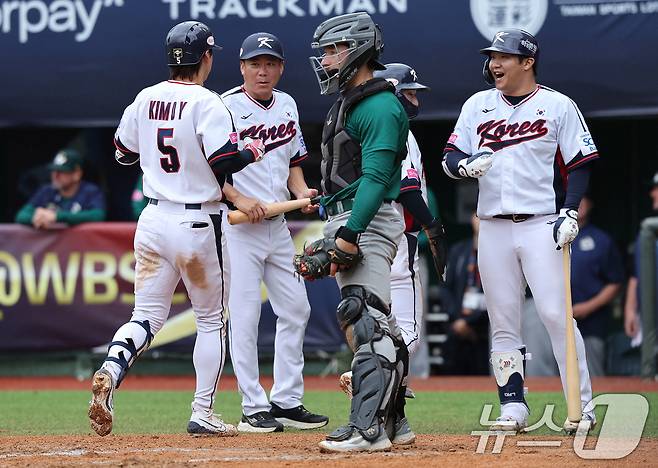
(94,198)
(42,197)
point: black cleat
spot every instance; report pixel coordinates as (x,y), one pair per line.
(259,422)
(298,417)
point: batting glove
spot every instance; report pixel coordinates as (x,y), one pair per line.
(475,166)
(565,227)
(257,147)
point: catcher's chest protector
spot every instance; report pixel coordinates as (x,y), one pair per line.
(341,155)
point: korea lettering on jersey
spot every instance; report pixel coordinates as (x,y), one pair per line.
(178,128)
(413,178)
(277,125)
(535,143)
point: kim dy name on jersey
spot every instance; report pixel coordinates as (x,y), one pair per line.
(535,144)
(178,130)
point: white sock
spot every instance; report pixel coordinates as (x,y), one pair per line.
(208,358)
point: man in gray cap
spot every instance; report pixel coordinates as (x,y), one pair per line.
(262,251)
(67,200)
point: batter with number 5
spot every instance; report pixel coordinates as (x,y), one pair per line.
(184,138)
(530,150)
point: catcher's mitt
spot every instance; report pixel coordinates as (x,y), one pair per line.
(317,258)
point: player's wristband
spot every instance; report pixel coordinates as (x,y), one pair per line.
(347,235)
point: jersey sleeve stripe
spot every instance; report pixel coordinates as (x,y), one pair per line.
(121,147)
(227,150)
(215,157)
(579,161)
(409,188)
(297,160)
(450,147)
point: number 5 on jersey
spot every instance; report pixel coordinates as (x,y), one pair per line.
(171,163)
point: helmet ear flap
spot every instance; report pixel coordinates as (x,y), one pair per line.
(486,73)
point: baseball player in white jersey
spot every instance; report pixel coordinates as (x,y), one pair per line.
(265,248)
(406,287)
(185,140)
(523,142)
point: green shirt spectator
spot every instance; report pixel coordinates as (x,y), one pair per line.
(68,200)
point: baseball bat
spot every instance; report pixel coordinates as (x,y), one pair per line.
(574,409)
(271,209)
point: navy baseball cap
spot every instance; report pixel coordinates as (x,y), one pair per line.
(261,43)
(66,160)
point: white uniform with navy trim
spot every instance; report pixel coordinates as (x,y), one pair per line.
(535,144)
(178,128)
(264,252)
(406,287)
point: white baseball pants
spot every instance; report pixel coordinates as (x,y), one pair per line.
(264,252)
(407,291)
(509,254)
(172,242)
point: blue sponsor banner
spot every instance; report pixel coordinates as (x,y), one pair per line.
(81,62)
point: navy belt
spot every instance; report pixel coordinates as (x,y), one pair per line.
(517,218)
(188,206)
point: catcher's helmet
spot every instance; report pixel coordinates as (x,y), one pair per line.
(510,41)
(261,43)
(364,40)
(187,42)
(403,77)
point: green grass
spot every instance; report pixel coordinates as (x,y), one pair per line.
(141,412)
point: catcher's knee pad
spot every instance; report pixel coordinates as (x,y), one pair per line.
(351,307)
(131,340)
(509,370)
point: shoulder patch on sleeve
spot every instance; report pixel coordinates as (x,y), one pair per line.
(586,143)
(412,173)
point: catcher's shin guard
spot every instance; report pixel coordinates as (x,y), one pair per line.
(509,370)
(374,376)
(129,342)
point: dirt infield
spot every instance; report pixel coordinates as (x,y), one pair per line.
(300,449)
(290,449)
(437,384)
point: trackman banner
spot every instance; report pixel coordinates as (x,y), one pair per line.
(80,62)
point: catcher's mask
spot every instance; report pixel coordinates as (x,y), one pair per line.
(363,39)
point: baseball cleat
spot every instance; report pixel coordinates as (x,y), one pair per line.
(345,382)
(259,422)
(586,424)
(403,433)
(101,408)
(209,424)
(298,417)
(351,440)
(508,424)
